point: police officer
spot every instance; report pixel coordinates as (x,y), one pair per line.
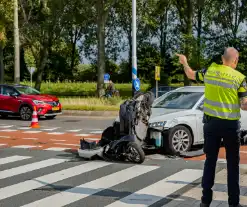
(225,94)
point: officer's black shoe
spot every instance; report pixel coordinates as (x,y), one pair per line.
(204,205)
(235,205)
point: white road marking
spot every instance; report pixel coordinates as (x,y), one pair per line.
(31,132)
(82,191)
(50,129)
(56,133)
(14,158)
(25,146)
(24,128)
(30,167)
(31,138)
(74,130)
(8,130)
(82,135)
(159,190)
(56,149)
(68,144)
(8,126)
(96,132)
(38,182)
(1,145)
(5,137)
(60,140)
(244,152)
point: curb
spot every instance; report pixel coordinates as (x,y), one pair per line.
(90,113)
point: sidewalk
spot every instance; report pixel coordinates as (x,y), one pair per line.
(192,197)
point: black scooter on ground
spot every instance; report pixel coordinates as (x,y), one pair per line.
(124,142)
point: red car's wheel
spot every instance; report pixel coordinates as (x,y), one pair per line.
(26,113)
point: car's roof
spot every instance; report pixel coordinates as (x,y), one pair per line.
(191,89)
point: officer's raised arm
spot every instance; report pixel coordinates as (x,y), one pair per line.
(191,74)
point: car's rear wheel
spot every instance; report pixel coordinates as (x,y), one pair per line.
(179,140)
(26,113)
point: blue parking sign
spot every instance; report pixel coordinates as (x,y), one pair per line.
(106,78)
(137,84)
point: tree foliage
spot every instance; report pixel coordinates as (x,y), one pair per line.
(59,37)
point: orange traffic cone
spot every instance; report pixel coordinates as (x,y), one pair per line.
(35,122)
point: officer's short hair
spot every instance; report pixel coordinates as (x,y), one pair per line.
(230,53)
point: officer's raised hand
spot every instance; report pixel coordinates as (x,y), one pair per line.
(182,59)
(188,71)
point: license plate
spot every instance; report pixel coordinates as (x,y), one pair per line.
(55,108)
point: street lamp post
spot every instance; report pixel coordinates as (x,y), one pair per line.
(134,57)
(16,44)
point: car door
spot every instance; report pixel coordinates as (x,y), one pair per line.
(1,99)
(9,103)
(199,124)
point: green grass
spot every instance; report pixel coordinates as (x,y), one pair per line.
(91,104)
(83,89)
(81,96)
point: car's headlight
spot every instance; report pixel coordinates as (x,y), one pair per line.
(38,102)
(157,125)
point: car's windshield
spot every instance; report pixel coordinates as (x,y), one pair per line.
(27,90)
(179,100)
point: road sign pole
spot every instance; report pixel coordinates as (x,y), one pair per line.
(157,88)
(157,78)
(31,79)
(134,57)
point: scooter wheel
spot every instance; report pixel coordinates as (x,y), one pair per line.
(135,153)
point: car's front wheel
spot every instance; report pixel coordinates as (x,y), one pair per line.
(179,140)
(26,113)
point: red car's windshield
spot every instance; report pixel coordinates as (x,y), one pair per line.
(27,90)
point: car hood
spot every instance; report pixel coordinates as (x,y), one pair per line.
(161,114)
(42,97)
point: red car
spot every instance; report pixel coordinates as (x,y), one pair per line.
(20,100)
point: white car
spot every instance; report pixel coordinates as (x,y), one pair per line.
(176,121)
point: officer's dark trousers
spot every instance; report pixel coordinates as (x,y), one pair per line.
(214,131)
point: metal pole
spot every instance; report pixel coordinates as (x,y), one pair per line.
(16,43)
(134,58)
(157,88)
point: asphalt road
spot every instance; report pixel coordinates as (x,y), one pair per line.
(38,178)
(64,123)
(37,170)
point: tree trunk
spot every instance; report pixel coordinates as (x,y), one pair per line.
(130,54)
(101,47)
(73,42)
(199,32)
(188,33)
(1,65)
(163,44)
(40,68)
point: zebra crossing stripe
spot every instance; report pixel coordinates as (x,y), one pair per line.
(38,182)
(90,188)
(14,158)
(157,191)
(30,167)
